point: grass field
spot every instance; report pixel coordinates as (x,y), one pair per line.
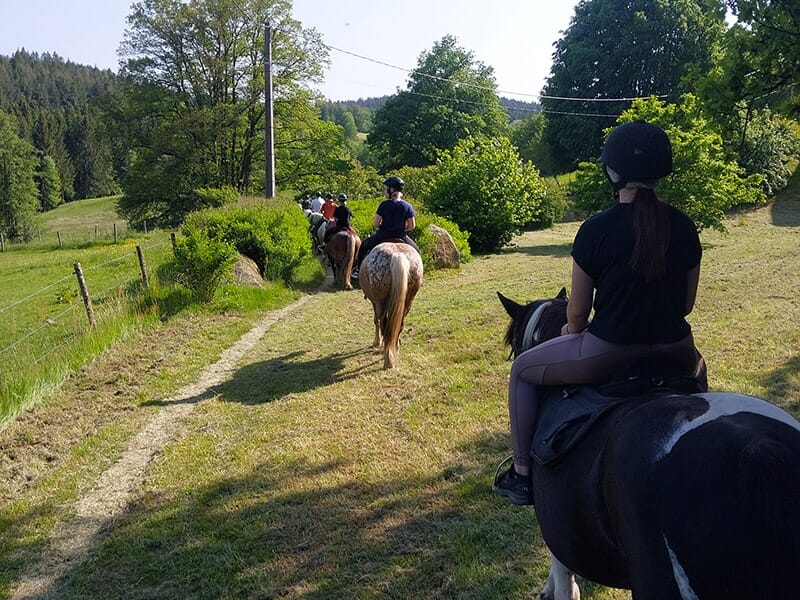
(312,473)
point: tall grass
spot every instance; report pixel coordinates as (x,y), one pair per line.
(44,330)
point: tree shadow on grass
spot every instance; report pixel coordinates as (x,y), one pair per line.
(785,212)
(431,535)
(552,250)
(783,386)
(290,374)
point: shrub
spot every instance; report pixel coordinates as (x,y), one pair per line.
(202,262)
(275,236)
(769,144)
(364,213)
(705,182)
(216,197)
(484,187)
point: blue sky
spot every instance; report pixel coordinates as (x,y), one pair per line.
(515,37)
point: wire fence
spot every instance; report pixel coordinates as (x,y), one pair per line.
(47,326)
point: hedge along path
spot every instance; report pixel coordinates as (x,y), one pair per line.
(72,544)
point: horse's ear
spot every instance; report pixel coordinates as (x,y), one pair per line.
(562,295)
(512,308)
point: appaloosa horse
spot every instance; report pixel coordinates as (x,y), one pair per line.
(390,276)
(673,495)
(342,248)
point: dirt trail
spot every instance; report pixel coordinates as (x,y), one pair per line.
(73,543)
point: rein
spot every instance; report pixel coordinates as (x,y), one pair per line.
(531,336)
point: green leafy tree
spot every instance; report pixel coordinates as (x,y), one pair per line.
(450,96)
(768,51)
(18,199)
(706,181)
(622,49)
(528,136)
(769,144)
(483,187)
(193,100)
(48,183)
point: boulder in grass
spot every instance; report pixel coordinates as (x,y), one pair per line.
(246,273)
(445,252)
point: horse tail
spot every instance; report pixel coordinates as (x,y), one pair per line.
(349,255)
(395,308)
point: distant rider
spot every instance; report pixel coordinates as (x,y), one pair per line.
(393,220)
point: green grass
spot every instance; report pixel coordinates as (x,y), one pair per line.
(312,473)
(44,329)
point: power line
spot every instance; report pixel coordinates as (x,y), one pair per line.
(533,110)
(480,87)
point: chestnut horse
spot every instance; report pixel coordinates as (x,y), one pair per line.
(674,495)
(342,249)
(390,276)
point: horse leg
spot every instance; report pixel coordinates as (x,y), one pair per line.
(377,308)
(560,583)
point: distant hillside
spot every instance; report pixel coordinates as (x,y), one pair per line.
(55,106)
(361,111)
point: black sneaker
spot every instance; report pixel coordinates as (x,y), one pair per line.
(354,274)
(513,486)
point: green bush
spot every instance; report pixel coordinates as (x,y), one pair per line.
(364,214)
(484,187)
(706,181)
(216,197)
(201,262)
(274,236)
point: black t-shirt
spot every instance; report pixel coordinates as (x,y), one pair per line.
(343,215)
(626,310)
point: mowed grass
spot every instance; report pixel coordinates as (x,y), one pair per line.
(313,473)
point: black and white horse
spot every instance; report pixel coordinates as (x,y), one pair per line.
(671,495)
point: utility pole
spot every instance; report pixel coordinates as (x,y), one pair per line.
(269,125)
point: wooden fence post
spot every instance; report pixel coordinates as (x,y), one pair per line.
(87,300)
(172,239)
(142,266)
(115,233)
(2,242)
(95,232)
(60,242)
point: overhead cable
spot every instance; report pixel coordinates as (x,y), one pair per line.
(480,87)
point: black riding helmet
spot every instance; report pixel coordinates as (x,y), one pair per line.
(342,197)
(636,154)
(394,183)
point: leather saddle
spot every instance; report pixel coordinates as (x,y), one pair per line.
(567,414)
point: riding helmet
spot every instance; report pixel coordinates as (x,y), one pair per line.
(394,183)
(342,197)
(636,154)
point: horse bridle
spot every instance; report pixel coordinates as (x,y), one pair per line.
(532,328)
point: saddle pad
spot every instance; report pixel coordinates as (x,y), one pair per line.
(565,416)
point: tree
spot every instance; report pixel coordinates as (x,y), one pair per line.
(48,183)
(194,91)
(484,187)
(18,198)
(450,96)
(528,136)
(769,50)
(706,181)
(622,49)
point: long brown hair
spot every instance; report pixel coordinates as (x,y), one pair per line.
(651,230)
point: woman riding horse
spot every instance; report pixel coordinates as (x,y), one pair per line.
(394,218)
(640,261)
